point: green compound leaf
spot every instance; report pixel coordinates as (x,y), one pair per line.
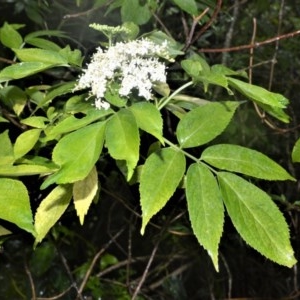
(122,139)
(204,123)
(257,219)
(84,191)
(15,204)
(10,37)
(148,118)
(205,208)
(51,209)
(259,94)
(76,154)
(25,142)
(244,160)
(160,176)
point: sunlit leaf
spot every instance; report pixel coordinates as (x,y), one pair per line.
(122,139)
(25,142)
(296,152)
(275,112)
(160,176)
(256,218)
(15,204)
(204,123)
(42,43)
(35,121)
(84,191)
(10,37)
(205,209)
(23,69)
(40,55)
(258,94)
(72,123)
(26,170)
(244,160)
(51,209)
(73,57)
(76,154)
(6,150)
(148,119)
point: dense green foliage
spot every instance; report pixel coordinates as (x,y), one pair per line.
(184,163)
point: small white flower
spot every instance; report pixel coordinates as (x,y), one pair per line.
(134,65)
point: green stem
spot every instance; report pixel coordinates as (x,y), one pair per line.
(168,99)
(197,160)
(180,149)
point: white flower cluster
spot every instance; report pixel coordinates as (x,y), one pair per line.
(134,65)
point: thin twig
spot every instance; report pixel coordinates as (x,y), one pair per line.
(129,250)
(274,59)
(57,296)
(229,275)
(96,257)
(176,272)
(66,266)
(30,280)
(208,24)
(138,288)
(8,61)
(192,31)
(156,17)
(248,46)
(252,51)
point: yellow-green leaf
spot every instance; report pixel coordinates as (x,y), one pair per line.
(40,55)
(10,37)
(15,204)
(6,150)
(84,191)
(26,169)
(25,142)
(148,119)
(296,152)
(51,209)
(122,139)
(23,69)
(76,153)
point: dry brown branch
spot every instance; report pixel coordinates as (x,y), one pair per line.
(254,45)
(192,31)
(8,61)
(208,24)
